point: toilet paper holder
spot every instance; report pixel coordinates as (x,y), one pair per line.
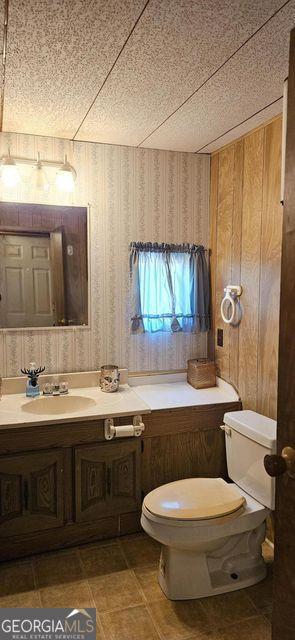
(123,431)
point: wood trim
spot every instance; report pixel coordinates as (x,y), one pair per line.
(12,231)
(283,620)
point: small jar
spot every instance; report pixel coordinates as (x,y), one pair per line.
(109,378)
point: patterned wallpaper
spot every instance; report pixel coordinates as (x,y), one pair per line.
(133,194)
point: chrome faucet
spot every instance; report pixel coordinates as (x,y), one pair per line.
(56,388)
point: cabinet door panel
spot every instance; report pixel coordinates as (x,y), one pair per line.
(107,479)
(10,496)
(125,486)
(31,492)
(93,485)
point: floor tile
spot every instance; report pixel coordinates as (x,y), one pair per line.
(23,599)
(255,629)
(261,594)
(178,620)
(140,550)
(71,594)
(16,577)
(99,561)
(58,568)
(148,580)
(134,623)
(117,590)
(228,608)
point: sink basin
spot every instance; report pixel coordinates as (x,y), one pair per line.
(55,405)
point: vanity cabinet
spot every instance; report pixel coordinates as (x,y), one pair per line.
(107,479)
(63,484)
(31,492)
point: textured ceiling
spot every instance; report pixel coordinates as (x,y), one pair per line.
(171,74)
(58,53)
(2,39)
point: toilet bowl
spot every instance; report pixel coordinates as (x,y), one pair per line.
(210,530)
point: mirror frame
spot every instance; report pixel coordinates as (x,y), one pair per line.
(75,327)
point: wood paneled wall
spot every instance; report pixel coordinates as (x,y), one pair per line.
(245,242)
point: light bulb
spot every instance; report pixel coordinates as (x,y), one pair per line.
(9,173)
(65,178)
(39,178)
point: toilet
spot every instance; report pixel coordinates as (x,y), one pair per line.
(210,530)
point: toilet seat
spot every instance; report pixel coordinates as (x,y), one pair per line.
(194,499)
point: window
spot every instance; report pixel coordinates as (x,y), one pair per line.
(170,288)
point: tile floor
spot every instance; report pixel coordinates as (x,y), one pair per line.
(119,578)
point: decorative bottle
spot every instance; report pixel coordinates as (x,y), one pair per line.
(32,386)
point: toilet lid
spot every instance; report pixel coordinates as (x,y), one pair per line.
(194,499)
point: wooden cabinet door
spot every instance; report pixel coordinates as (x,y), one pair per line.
(31,492)
(107,479)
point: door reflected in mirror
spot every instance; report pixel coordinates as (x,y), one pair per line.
(43,266)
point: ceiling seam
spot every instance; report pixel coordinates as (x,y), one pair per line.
(214,72)
(238,125)
(111,69)
(4,51)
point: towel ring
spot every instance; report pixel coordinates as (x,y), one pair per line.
(232,292)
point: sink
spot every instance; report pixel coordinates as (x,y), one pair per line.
(55,405)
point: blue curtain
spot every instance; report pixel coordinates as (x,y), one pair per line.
(170,288)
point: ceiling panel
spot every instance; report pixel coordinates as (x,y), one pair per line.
(252,79)
(58,55)
(175,47)
(263,116)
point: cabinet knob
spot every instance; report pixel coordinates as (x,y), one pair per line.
(276,465)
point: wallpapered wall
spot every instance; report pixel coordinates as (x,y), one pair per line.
(133,194)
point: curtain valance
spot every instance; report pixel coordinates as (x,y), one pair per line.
(170,287)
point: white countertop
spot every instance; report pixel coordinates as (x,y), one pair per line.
(169,391)
(141,396)
(107,405)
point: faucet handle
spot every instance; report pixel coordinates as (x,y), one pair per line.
(47,389)
(64,387)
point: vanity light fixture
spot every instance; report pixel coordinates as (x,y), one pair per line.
(65,177)
(39,177)
(10,175)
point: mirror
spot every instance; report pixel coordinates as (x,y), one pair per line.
(43,265)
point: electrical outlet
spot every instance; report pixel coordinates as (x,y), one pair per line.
(220,337)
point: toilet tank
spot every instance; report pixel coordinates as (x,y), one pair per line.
(249,437)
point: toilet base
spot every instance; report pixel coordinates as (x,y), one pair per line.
(236,564)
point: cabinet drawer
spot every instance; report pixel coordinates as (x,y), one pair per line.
(107,479)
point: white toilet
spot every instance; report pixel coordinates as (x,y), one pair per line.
(210,530)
